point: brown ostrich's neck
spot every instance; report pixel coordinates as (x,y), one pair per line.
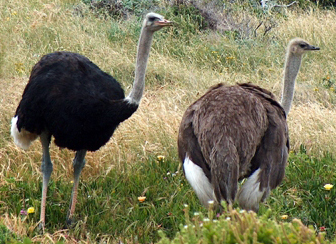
(292,66)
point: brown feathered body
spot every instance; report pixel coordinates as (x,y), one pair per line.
(231,133)
(237,132)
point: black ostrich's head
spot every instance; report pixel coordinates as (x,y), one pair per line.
(155,22)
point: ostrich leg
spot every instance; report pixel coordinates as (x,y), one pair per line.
(78,164)
(47,168)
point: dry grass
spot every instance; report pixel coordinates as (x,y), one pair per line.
(313,126)
(33,28)
(47,26)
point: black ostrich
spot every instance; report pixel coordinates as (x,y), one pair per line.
(72,99)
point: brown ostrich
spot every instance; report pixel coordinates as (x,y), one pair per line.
(73,100)
(237,132)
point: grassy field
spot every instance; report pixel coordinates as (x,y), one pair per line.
(183,63)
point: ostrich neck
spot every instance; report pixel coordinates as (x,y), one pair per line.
(292,67)
(144,45)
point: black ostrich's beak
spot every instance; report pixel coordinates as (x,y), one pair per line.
(165,23)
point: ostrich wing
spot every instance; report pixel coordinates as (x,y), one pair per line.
(188,144)
(267,167)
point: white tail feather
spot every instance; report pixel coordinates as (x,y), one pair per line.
(22,138)
(199,182)
(250,194)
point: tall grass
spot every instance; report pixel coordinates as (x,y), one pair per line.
(182,65)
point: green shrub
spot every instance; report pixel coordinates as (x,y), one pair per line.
(122,9)
(320,3)
(5,235)
(242,227)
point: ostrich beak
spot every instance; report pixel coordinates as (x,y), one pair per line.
(312,48)
(165,23)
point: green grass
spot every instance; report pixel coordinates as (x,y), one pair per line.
(5,235)
(302,194)
(109,205)
(185,60)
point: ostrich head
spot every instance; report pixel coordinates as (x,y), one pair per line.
(296,48)
(154,22)
(299,46)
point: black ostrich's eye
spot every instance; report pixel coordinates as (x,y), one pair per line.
(302,45)
(152,19)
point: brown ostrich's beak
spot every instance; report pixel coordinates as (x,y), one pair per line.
(312,48)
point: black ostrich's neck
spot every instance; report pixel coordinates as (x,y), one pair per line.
(122,110)
(144,45)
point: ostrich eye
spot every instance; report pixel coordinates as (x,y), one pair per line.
(302,45)
(152,19)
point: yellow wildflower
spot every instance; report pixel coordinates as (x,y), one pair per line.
(19,67)
(160,157)
(328,187)
(316,89)
(31,210)
(141,199)
(285,216)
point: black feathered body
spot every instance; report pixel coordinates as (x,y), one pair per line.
(230,132)
(71,98)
